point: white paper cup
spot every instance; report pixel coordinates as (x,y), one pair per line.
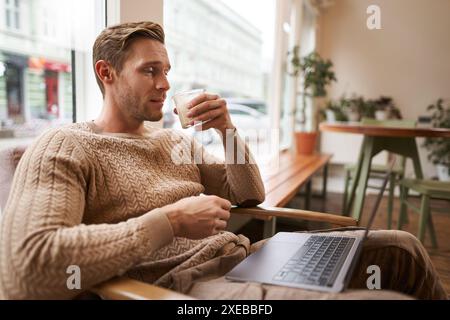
(181,101)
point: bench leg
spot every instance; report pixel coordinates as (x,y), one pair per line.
(324,181)
(308,195)
(269,228)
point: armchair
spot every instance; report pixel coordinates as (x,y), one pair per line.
(124,288)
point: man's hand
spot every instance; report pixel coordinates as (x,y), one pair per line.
(198,217)
(210,107)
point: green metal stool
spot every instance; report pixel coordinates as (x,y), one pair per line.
(428,189)
(378,171)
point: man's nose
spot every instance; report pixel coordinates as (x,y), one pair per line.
(163,83)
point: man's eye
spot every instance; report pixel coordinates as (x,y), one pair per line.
(150,70)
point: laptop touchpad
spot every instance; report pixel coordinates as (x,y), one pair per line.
(264,263)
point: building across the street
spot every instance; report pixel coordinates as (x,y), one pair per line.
(218,50)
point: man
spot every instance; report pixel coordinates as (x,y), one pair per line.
(107,196)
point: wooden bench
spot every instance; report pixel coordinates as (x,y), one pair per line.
(282,184)
(293,172)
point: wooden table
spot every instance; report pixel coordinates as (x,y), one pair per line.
(400,141)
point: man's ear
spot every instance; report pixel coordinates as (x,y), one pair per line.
(104,71)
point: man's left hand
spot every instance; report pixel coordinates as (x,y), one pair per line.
(213,109)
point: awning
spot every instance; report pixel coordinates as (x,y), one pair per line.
(39,63)
(18,60)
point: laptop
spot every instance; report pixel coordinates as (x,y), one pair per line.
(320,262)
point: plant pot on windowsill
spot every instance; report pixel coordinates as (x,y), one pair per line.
(305,142)
(385,108)
(443,172)
(381,115)
(330,115)
(353,116)
(333,112)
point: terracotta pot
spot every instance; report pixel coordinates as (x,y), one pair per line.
(306,142)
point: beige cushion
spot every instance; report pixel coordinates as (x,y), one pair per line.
(9,158)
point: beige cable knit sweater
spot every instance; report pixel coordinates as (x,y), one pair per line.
(84,198)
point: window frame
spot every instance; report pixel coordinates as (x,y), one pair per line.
(13,9)
(86,96)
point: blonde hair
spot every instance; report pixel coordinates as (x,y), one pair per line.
(112,44)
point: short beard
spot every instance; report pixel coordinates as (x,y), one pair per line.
(129,105)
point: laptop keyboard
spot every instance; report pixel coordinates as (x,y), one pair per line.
(317,262)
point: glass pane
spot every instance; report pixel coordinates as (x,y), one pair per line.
(36,74)
(8,18)
(17,20)
(225,47)
(286,112)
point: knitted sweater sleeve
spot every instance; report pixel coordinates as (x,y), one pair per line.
(237,178)
(42,232)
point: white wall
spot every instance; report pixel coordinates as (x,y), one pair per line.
(407,59)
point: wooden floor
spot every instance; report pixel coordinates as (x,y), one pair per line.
(332,204)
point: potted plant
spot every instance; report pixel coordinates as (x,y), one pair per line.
(353,107)
(357,107)
(385,109)
(439,148)
(334,111)
(316,75)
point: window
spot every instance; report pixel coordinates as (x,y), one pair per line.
(296,28)
(12,14)
(225,47)
(36,63)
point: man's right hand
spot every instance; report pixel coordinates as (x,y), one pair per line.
(198,217)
